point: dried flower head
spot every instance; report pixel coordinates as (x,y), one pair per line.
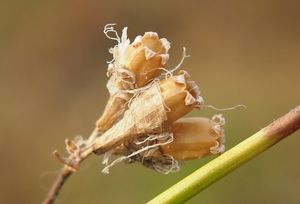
(142,119)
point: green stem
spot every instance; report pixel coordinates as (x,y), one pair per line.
(231,159)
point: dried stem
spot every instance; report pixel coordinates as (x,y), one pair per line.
(58,184)
(71,164)
(231,159)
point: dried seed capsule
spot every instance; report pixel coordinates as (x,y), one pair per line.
(146,56)
(134,65)
(190,138)
(152,110)
(195,138)
(180,95)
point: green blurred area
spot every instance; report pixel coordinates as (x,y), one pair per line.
(52,82)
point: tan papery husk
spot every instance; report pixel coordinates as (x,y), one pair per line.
(145,115)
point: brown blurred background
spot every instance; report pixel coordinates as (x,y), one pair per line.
(52,85)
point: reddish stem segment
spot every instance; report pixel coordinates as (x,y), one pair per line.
(57,185)
(286,125)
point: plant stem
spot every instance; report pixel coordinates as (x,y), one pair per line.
(66,172)
(231,159)
(57,185)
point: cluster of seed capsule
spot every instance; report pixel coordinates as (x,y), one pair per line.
(143,119)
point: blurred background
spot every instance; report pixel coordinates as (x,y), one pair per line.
(52,82)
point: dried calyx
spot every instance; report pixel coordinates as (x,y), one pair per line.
(133,66)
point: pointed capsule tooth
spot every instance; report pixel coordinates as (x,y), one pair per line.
(200,101)
(164,58)
(189,99)
(166,44)
(180,79)
(149,53)
(137,41)
(185,74)
(150,34)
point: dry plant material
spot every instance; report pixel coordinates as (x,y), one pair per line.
(142,119)
(145,101)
